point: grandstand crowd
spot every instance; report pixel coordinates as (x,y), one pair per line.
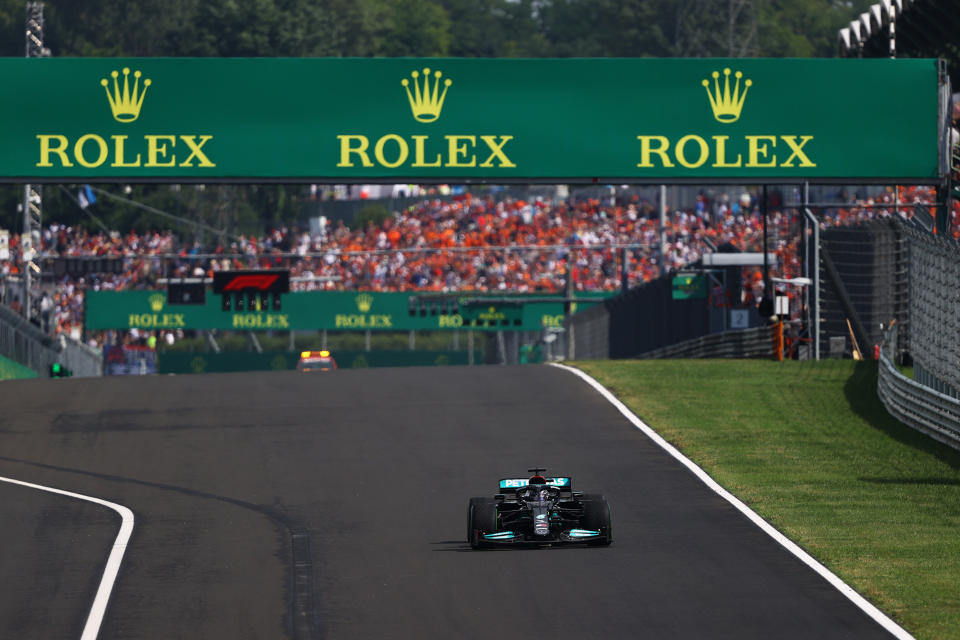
(464,244)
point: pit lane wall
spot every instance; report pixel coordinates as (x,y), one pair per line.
(317,310)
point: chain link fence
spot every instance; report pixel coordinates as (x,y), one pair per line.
(927,337)
(22,342)
(587,334)
(934,305)
(864,277)
(739,343)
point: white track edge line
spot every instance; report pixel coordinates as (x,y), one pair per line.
(878,616)
(99,608)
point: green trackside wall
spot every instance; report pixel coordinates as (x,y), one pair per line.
(302,311)
(450,119)
(10,370)
(175,362)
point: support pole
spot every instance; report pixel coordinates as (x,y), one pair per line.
(892,34)
(27,249)
(944,203)
(663,229)
(811,270)
(767,285)
(32,198)
(804,254)
(624,270)
(816,288)
(943,207)
(212,342)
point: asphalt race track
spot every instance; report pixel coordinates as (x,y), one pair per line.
(288,505)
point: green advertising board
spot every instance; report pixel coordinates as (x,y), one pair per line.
(402,119)
(305,311)
(688,287)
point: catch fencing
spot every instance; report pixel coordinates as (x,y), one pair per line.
(26,344)
(588,334)
(743,343)
(641,320)
(934,305)
(897,282)
(864,284)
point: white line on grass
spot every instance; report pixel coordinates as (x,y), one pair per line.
(99,608)
(841,586)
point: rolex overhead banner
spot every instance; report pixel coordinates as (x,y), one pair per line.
(365,120)
(334,310)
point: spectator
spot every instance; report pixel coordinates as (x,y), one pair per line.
(468,244)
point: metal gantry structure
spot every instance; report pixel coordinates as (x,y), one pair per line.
(32,195)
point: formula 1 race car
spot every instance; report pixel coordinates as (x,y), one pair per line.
(538,511)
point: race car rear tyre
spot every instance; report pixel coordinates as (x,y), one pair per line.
(596,517)
(481,518)
(470,531)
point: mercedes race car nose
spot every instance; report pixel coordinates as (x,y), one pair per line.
(541,520)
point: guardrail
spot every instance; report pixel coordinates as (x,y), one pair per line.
(928,411)
(743,343)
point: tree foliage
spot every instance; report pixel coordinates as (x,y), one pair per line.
(467,28)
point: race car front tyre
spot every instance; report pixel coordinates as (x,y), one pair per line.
(596,517)
(481,518)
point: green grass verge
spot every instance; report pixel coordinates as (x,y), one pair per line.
(10,370)
(810,448)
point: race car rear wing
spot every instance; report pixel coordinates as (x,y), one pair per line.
(512,484)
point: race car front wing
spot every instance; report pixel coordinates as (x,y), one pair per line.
(570,535)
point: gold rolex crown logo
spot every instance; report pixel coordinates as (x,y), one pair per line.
(426,103)
(156,302)
(125,104)
(726,105)
(364,302)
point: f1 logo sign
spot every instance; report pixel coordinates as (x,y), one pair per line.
(260,281)
(246,282)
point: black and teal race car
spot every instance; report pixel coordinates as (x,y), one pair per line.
(539,510)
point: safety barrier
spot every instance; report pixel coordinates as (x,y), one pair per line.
(931,412)
(743,343)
